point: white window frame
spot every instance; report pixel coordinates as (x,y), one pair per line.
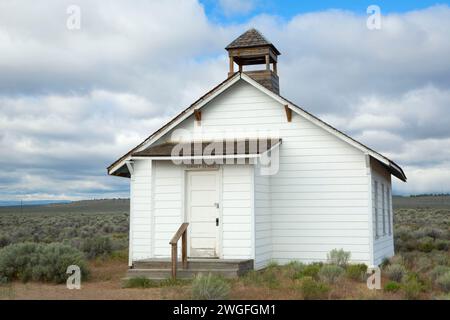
(383,208)
(376,208)
(389,208)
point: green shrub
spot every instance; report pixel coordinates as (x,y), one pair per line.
(395,272)
(95,247)
(440,258)
(4,241)
(423,264)
(410,258)
(330,273)
(296,265)
(444,282)
(356,271)
(438,271)
(293,268)
(266,277)
(412,288)
(121,255)
(391,286)
(313,290)
(397,259)
(402,232)
(143,282)
(338,257)
(48,227)
(210,288)
(139,282)
(310,270)
(442,244)
(410,245)
(39,262)
(385,263)
(170,282)
(428,232)
(426,244)
(3,280)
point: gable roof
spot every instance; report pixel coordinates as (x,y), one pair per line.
(392,167)
(251,38)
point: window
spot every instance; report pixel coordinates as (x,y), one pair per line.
(383,208)
(375,206)
(389,208)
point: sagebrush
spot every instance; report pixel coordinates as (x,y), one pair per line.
(210,287)
(39,262)
(338,257)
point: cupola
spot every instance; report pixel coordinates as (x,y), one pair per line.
(252,48)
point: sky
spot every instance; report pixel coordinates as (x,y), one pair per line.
(74,100)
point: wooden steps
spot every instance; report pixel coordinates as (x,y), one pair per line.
(160,269)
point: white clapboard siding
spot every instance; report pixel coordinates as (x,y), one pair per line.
(321,190)
(263,219)
(168,204)
(140,211)
(237,210)
(237,205)
(383,246)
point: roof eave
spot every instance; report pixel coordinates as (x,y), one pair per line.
(397,171)
(270,45)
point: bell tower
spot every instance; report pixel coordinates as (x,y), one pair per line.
(252,48)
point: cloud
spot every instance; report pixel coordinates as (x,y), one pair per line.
(71,102)
(119,47)
(61,145)
(236,7)
(426,180)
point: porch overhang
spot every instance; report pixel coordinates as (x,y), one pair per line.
(210,150)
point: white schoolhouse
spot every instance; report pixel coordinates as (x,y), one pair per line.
(244,176)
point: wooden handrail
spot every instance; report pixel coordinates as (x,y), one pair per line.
(181,233)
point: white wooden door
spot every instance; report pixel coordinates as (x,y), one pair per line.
(202,204)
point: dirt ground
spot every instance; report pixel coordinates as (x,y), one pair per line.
(105,283)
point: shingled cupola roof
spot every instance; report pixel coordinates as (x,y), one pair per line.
(251,38)
(252,48)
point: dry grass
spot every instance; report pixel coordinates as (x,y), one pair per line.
(105,284)
(422,239)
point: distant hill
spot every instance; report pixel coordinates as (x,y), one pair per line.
(423,201)
(84,206)
(123,205)
(30,202)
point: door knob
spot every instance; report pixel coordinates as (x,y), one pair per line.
(216,204)
(217,222)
